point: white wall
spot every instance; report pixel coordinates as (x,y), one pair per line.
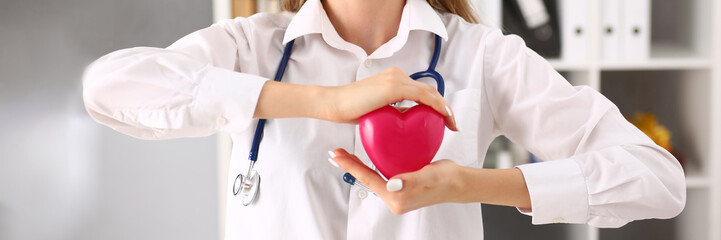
(63,176)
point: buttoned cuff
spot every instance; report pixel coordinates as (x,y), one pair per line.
(558,192)
(227,99)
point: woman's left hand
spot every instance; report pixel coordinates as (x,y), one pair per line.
(438,182)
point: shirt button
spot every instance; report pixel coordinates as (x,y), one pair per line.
(558,220)
(362,194)
(368,63)
(221,121)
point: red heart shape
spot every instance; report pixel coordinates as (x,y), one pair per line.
(401,142)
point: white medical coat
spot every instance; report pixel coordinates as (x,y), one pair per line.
(598,168)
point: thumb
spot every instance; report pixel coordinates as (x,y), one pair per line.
(401,181)
(422,178)
(394,184)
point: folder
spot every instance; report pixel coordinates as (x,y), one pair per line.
(574,30)
(536,21)
(636,29)
(611,14)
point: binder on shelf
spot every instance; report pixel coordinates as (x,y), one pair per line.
(574,26)
(636,29)
(611,18)
(536,21)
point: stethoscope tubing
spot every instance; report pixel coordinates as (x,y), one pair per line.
(258,135)
(431,71)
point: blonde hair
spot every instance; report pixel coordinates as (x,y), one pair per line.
(461,8)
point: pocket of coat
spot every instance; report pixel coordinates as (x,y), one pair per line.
(462,146)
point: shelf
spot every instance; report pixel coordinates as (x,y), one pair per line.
(562,65)
(670,50)
(697,182)
(651,64)
(658,64)
(576,78)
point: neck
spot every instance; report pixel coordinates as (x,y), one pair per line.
(365,23)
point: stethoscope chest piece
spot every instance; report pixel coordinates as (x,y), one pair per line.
(246,186)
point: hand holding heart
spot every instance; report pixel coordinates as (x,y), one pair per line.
(349,102)
(441,181)
(435,183)
(401,145)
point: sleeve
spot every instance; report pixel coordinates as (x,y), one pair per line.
(192,88)
(602,170)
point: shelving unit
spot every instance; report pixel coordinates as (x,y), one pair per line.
(680,83)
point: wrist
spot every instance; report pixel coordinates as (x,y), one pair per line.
(464,185)
(287,100)
(505,187)
(320,102)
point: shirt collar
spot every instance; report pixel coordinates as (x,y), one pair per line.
(312,18)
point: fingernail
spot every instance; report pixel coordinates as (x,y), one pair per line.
(394,185)
(331,154)
(450,114)
(335,164)
(448,111)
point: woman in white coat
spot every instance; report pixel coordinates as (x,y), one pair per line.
(351,57)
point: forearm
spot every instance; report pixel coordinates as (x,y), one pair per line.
(286,100)
(494,186)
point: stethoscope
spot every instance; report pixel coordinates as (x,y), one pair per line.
(247,185)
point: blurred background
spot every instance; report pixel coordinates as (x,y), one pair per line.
(63,176)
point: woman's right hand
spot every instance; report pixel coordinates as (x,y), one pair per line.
(347,103)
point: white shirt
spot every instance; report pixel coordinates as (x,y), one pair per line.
(600,170)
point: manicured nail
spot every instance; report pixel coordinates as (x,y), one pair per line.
(394,185)
(335,164)
(331,154)
(448,111)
